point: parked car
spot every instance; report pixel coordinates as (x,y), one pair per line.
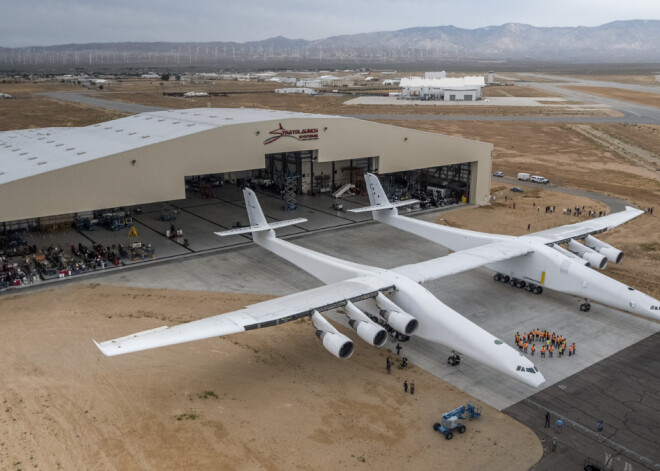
(515,189)
(498,174)
(539,179)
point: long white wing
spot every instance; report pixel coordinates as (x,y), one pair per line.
(464,260)
(268,313)
(579,230)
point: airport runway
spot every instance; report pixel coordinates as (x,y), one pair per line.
(632,113)
(84,99)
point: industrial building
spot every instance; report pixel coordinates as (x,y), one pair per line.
(442,88)
(148,157)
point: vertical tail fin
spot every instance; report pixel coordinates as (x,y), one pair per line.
(378,199)
(255,213)
(377,196)
(258,222)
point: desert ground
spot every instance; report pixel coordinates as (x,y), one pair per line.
(273,399)
(624,95)
(268,399)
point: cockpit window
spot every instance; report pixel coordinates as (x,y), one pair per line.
(519,368)
(530,370)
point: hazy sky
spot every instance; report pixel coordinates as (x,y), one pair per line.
(47,22)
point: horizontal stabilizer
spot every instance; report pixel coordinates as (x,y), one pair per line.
(261,227)
(378,207)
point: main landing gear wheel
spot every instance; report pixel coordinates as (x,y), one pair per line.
(521,284)
(529,288)
(585,307)
(497,277)
(538,290)
(505,279)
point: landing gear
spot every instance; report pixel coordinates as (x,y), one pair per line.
(522,284)
(454,360)
(585,307)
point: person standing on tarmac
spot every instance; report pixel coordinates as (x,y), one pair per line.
(405,386)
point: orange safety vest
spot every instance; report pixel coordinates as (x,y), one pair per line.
(542,349)
(533,348)
(525,344)
(551,348)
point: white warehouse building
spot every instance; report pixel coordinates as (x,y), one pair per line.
(447,89)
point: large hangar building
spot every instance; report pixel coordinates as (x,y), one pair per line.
(147,157)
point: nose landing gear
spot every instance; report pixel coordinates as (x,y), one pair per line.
(585,307)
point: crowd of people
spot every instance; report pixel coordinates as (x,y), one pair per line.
(549,343)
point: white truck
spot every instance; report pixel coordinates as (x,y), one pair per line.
(539,179)
(523,176)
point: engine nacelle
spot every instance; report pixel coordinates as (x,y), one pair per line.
(570,255)
(612,253)
(366,329)
(396,318)
(400,321)
(370,332)
(333,341)
(594,258)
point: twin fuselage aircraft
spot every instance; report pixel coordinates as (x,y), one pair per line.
(373,297)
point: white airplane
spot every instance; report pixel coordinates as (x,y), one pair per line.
(395,298)
(544,264)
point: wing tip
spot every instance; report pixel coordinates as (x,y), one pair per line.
(101,348)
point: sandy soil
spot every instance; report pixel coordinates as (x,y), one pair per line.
(516,91)
(270,399)
(648,99)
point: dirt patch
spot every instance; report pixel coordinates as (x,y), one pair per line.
(267,399)
(33,111)
(559,153)
(515,91)
(632,79)
(647,99)
(646,159)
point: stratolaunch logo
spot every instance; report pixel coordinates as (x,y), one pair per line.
(311,134)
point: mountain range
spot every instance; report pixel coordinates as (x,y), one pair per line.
(635,41)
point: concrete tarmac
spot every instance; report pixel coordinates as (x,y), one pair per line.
(500,309)
(623,390)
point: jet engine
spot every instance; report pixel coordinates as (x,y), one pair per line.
(334,342)
(366,329)
(612,253)
(594,258)
(395,317)
(570,255)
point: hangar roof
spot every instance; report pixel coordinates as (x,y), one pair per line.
(30,152)
(468,81)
